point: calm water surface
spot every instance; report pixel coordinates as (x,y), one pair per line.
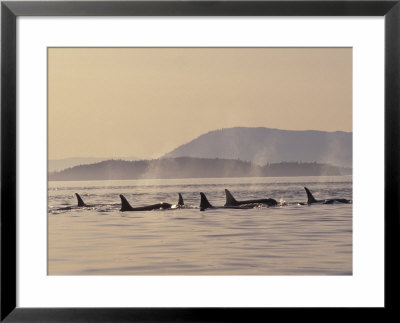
(289,239)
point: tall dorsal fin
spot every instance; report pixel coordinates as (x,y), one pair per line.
(180,201)
(310,197)
(125,206)
(80,201)
(204,204)
(230,200)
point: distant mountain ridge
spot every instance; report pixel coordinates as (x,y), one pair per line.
(56,165)
(186,167)
(266,145)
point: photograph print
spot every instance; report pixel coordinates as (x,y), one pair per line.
(200,161)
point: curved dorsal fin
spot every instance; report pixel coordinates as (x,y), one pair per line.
(180,201)
(310,197)
(204,204)
(230,200)
(80,201)
(125,206)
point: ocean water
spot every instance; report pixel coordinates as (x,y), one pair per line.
(288,239)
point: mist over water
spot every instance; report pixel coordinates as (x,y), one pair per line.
(285,240)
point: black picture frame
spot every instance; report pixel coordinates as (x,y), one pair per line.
(11,10)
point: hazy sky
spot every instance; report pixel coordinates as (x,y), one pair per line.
(144,102)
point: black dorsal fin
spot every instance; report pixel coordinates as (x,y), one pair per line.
(125,206)
(204,204)
(310,197)
(80,201)
(180,201)
(230,200)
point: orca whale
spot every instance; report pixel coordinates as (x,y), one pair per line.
(231,201)
(180,204)
(180,200)
(125,206)
(312,200)
(205,204)
(80,201)
(80,204)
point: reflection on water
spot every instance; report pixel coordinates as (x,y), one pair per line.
(284,240)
